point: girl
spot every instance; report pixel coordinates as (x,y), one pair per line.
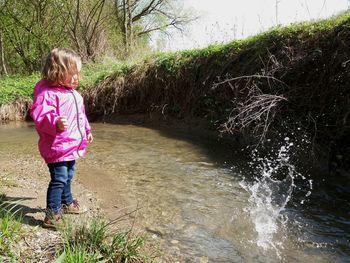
(64,131)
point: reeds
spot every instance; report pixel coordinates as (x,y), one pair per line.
(10,225)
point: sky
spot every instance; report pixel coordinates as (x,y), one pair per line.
(221,21)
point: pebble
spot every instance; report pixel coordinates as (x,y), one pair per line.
(204,260)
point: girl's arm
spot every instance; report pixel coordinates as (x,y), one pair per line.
(87,124)
(45,114)
(90,138)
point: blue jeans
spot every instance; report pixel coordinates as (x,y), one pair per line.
(59,191)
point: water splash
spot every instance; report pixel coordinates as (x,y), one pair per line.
(269,193)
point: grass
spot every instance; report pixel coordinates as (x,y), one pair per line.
(172,62)
(95,240)
(84,239)
(78,254)
(94,72)
(10,227)
(16,86)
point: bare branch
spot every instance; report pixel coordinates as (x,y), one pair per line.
(147,9)
(246,77)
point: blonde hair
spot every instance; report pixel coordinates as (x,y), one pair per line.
(60,63)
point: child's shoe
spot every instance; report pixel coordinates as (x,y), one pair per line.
(53,221)
(73,208)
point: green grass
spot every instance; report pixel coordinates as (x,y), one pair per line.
(94,72)
(10,227)
(173,61)
(94,240)
(17,86)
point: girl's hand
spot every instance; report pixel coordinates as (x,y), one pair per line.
(90,138)
(62,123)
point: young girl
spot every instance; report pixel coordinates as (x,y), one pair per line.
(64,131)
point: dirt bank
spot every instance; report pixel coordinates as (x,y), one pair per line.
(283,80)
(24,179)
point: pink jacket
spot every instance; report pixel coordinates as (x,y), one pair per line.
(49,103)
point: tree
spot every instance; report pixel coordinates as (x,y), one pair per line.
(31,28)
(138,18)
(276,10)
(2,53)
(86,26)
(30,31)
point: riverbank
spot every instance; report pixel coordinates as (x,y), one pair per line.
(23,183)
(23,180)
(289,79)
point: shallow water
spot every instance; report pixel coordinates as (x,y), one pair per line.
(193,200)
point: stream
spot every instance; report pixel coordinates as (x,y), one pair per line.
(195,197)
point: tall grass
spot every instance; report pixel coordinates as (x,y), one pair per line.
(95,240)
(10,226)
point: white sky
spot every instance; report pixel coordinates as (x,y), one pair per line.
(224,20)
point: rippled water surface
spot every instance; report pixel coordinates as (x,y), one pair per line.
(194,199)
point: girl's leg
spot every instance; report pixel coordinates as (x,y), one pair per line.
(70,206)
(59,179)
(67,197)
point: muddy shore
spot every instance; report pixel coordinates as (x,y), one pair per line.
(24,178)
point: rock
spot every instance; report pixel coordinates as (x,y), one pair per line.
(203,259)
(154,231)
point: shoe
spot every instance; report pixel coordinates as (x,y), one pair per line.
(53,221)
(73,208)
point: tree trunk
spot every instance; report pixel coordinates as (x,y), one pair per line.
(276,10)
(129,25)
(3,65)
(125,28)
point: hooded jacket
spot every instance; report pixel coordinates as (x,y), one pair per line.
(49,103)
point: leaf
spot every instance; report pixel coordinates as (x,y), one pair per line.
(60,259)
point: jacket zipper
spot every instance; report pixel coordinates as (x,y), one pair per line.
(78,122)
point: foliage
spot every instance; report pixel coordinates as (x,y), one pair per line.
(301,30)
(92,73)
(93,28)
(17,86)
(9,229)
(87,26)
(136,20)
(29,32)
